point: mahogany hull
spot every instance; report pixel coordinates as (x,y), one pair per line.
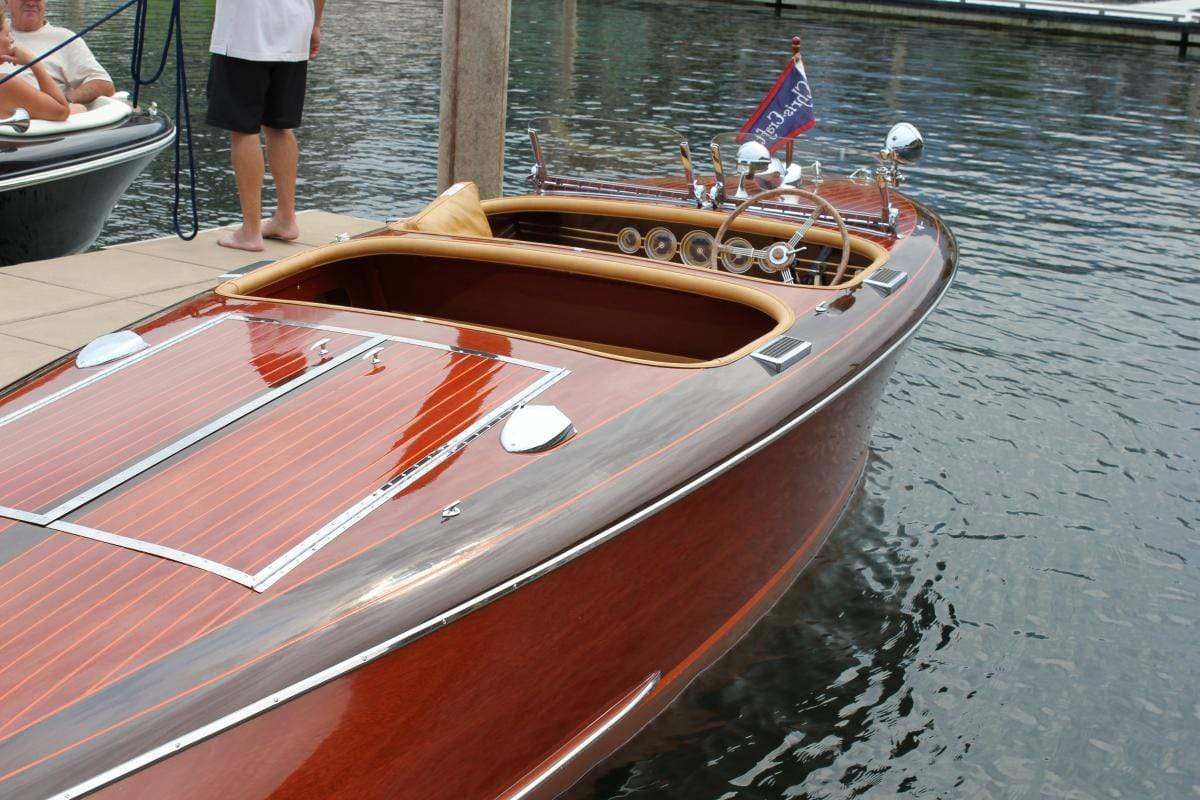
(477,709)
(497,653)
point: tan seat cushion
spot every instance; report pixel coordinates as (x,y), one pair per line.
(455,212)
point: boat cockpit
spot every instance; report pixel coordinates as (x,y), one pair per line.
(601,286)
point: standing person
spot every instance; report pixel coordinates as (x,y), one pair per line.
(74,68)
(256,82)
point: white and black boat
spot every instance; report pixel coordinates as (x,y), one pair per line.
(60,180)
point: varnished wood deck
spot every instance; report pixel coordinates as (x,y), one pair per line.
(48,308)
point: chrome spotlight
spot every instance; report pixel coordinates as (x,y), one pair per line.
(19,121)
(772,176)
(752,158)
(904,143)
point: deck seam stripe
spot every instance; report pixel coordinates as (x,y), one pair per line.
(204,431)
(349,443)
(51,414)
(415,420)
(135,446)
(181,474)
(285,563)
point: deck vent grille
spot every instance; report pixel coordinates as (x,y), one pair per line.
(886,280)
(779,354)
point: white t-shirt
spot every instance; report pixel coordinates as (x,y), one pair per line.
(263,30)
(27,75)
(70,67)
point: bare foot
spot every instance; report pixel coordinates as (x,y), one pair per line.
(275,228)
(240,240)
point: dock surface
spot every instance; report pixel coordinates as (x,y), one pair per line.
(48,308)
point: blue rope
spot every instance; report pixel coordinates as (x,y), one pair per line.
(183,114)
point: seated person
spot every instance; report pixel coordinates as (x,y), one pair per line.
(74,68)
(33,90)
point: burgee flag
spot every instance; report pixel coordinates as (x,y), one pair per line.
(786,111)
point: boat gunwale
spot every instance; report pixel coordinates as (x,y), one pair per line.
(89,163)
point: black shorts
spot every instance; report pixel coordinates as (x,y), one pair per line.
(245,95)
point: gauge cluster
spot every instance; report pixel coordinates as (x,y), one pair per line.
(695,249)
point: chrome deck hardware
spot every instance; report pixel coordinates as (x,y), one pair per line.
(110,347)
(781,353)
(372,356)
(886,280)
(452,510)
(532,429)
(17,121)
(322,348)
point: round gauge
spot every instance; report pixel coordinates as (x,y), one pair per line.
(661,244)
(737,255)
(777,257)
(629,240)
(696,249)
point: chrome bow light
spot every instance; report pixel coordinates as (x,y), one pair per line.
(18,121)
(903,145)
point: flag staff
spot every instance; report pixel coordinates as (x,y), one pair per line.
(788,151)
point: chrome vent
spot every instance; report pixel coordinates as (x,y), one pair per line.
(886,280)
(779,354)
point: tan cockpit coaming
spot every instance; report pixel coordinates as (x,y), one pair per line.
(611,307)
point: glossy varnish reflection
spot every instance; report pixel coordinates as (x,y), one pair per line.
(108,653)
(56,450)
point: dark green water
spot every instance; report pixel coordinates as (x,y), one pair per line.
(1010,607)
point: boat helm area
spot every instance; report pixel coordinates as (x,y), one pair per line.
(760,184)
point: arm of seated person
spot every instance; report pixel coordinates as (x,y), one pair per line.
(46,101)
(88,91)
(86,78)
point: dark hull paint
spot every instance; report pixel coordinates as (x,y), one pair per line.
(62,216)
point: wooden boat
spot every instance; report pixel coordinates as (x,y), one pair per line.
(451,509)
(59,181)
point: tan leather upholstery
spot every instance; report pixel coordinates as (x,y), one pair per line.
(502,251)
(455,212)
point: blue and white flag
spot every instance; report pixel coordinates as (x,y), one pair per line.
(786,111)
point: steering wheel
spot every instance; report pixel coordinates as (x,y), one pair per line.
(781,252)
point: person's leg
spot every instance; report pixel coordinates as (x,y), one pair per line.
(237,92)
(246,151)
(283,155)
(282,112)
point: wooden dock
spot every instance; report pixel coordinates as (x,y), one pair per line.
(1175,22)
(48,308)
